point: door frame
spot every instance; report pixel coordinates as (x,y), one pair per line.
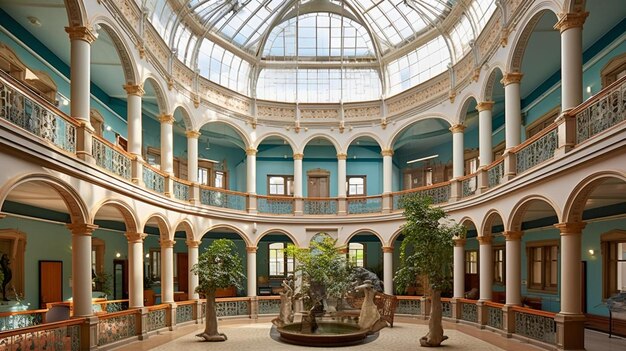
(125,283)
(39,278)
(318,173)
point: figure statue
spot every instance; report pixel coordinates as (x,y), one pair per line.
(360,275)
(6,270)
(286,306)
(370,317)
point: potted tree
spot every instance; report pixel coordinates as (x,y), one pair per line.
(427,249)
(219,266)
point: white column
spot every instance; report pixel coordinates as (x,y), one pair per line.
(192,155)
(135,269)
(167,143)
(341,174)
(81,268)
(388,269)
(80,75)
(192,259)
(297,175)
(513,268)
(571,27)
(251,171)
(485,256)
(485,131)
(458,162)
(251,272)
(387,170)
(512,109)
(135,92)
(459,269)
(571,243)
(167,271)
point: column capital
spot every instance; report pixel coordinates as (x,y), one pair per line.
(343,250)
(484,240)
(81,33)
(458,128)
(134,89)
(570,228)
(342,156)
(82,228)
(193,243)
(192,134)
(251,152)
(513,235)
(459,241)
(251,249)
(167,243)
(135,237)
(511,78)
(387,152)
(571,20)
(165,118)
(387,249)
(484,106)
(298,156)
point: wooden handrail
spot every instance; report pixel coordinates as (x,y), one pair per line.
(602,93)
(162,306)
(533,311)
(357,198)
(408,297)
(422,188)
(467,176)
(276,198)
(469,301)
(271,297)
(155,170)
(493,164)
(187,302)
(182,181)
(114,147)
(320,198)
(534,138)
(15,313)
(221,190)
(118,313)
(42,327)
(493,304)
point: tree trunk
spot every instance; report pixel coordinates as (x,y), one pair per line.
(435,335)
(210,331)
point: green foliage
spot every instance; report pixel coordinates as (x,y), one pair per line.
(218,267)
(427,248)
(325,272)
(104,283)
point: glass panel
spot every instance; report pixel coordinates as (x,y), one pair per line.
(536,265)
(356,254)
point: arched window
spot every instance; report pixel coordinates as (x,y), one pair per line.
(356,254)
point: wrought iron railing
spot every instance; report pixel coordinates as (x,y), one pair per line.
(64,335)
(495,315)
(469,310)
(365,204)
(232,307)
(275,204)
(440,193)
(116,326)
(535,324)
(36,115)
(181,189)
(153,179)
(110,158)
(21,319)
(223,198)
(157,317)
(409,305)
(320,206)
(601,112)
(495,174)
(184,311)
(469,185)
(446,308)
(537,149)
(269,304)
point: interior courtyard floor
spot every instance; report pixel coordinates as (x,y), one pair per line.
(244,335)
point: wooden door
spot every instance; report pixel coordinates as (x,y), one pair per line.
(120,279)
(318,186)
(182,271)
(50,282)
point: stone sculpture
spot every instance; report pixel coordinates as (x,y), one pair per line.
(286,306)
(369,317)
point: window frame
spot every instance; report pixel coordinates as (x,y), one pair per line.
(348,178)
(607,242)
(469,263)
(363,249)
(545,285)
(497,263)
(286,271)
(154,269)
(287,185)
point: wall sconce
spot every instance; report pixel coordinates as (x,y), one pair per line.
(588,89)
(147,255)
(591,252)
(118,255)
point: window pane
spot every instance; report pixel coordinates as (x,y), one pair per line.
(356,254)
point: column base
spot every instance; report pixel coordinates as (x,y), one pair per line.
(171,316)
(508,319)
(570,331)
(142,325)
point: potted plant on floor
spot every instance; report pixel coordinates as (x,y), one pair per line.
(219,266)
(427,249)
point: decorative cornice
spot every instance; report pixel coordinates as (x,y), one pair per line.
(571,20)
(251,152)
(298,156)
(135,237)
(251,249)
(169,119)
(192,243)
(457,128)
(82,228)
(192,134)
(484,106)
(134,89)
(484,240)
(167,243)
(459,241)
(342,156)
(512,235)
(387,152)
(387,249)
(81,33)
(511,78)
(570,228)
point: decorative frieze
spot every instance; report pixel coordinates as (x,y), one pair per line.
(314,113)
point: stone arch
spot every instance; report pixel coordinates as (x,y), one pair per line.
(186,226)
(76,14)
(184,112)
(364,230)
(490,82)
(408,124)
(575,204)
(76,207)
(332,140)
(372,135)
(265,136)
(163,224)
(242,133)
(277,230)
(570,6)
(127,212)
(487,223)
(395,236)
(522,38)
(229,227)
(461,113)
(159,92)
(128,64)
(518,211)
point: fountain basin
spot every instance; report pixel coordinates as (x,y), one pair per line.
(327,334)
